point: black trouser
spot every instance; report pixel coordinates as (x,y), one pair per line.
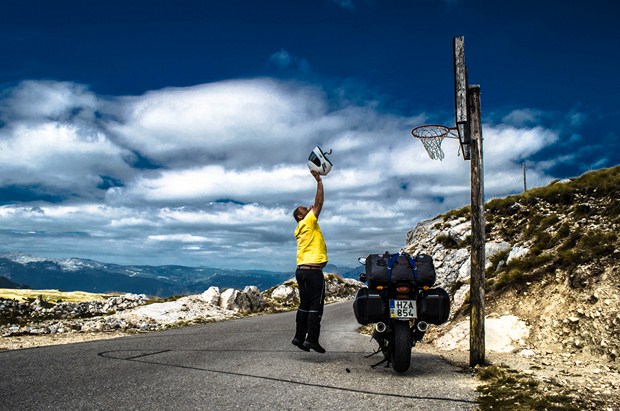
(311,293)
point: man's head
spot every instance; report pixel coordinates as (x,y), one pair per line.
(300,212)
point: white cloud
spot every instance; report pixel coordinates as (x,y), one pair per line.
(42,101)
(232,159)
(183,238)
(57,147)
(212,183)
(522,117)
(244,121)
(510,143)
(221,215)
(51,140)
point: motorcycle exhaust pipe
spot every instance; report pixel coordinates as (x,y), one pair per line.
(380,327)
(422,326)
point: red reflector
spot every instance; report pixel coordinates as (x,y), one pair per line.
(402,289)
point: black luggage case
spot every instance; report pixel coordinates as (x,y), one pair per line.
(377,268)
(425,270)
(434,306)
(402,270)
(368,306)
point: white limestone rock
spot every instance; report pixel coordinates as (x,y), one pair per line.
(211,296)
(228,299)
(285,292)
(503,334)
(516,252)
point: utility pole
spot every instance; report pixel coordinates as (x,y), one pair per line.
(476,296)
(468,126)
(524,177)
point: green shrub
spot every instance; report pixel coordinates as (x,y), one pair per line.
(458,213)
(582,210)
(563,232)
(446,241)
(568,258)
(543,241)
(513,277)
(507,389)
(488,228)
(500,205)
(533,225)
(597,244)
(549,221)
(571,241)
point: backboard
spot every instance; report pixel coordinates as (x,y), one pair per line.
(460,96)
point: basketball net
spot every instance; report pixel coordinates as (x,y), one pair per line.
(431,136)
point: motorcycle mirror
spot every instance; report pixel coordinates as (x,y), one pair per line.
(362,260)
(363,277)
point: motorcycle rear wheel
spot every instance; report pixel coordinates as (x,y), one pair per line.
(401,348)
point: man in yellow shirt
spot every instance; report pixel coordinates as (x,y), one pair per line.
(311,258)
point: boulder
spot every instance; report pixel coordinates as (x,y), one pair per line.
(460,232)
(503,334)
(228,299)
(490,249)
(211,296)
(516,252)
(285,292)
(254,297)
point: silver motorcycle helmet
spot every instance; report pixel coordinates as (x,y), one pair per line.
(318,161)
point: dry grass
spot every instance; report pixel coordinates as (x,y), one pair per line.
(52,296)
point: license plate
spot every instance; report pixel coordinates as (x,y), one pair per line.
(405,309)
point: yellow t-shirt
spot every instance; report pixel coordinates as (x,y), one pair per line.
(311,248)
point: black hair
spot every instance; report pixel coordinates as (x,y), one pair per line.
(296,214)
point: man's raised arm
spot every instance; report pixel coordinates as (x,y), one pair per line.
(319,197)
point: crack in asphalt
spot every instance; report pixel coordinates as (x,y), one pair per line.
(142,359)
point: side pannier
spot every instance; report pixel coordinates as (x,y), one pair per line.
(368,307)
(434,306)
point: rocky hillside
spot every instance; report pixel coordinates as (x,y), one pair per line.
(553,262)
(553,258)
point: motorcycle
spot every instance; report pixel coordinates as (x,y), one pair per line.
(400,302)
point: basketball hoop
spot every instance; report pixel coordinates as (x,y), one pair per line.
(431,135)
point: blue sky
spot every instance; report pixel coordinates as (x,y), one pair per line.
(176,132)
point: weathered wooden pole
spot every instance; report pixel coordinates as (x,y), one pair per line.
(524,176)
(476,296)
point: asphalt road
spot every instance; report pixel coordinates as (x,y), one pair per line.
(240,364)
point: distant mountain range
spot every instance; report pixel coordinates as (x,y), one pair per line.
(73,274)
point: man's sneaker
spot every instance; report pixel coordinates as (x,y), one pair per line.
(310,345)
(299,343)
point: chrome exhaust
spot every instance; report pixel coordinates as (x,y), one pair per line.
(380,327)
(422,326)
